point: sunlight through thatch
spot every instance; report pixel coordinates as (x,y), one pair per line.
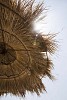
(22,63)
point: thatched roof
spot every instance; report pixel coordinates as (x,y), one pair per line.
(22,63)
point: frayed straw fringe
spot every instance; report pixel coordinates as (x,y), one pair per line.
(23,66)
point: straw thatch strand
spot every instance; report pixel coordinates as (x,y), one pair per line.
(24,58)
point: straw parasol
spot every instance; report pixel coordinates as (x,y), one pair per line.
(22,62)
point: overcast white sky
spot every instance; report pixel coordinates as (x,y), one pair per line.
(56,21)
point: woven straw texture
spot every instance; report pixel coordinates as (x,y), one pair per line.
(24,59)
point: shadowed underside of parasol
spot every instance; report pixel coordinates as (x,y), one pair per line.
(22,63)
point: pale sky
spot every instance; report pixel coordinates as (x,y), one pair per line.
(55,22)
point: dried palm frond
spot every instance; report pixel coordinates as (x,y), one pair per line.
(22,64)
